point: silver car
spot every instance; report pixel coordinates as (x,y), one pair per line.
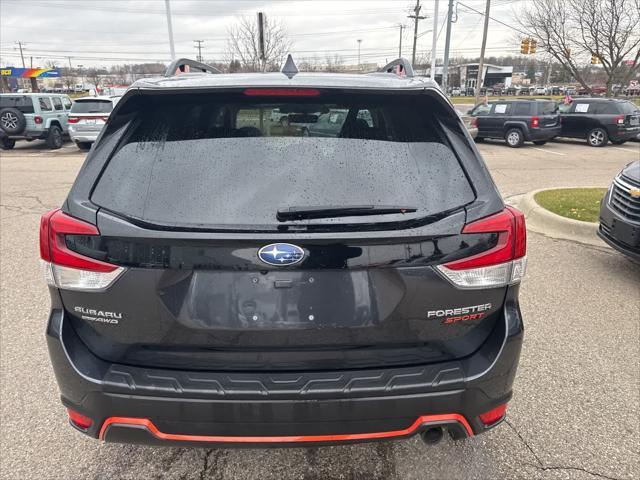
(88,116)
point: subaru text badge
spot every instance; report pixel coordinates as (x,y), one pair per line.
(281,254)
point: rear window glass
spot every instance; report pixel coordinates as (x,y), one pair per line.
(606,108)
(92,106)
(57,103)
(628,107)
(547,108)
(19,102)
(232,162)
(521,108)
(45,104)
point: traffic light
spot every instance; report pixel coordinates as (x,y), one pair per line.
(594,60)
(524,46)
(532,46)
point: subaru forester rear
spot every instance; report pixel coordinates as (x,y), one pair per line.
(221,277)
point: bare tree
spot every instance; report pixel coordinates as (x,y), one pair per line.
(570,30)
(334,63)
(243,44)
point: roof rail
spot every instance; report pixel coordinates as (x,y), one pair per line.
(400,66)
(180,65)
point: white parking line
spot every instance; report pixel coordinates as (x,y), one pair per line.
(627,149)
(546,150)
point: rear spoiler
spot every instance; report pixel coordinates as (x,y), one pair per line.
(185,65)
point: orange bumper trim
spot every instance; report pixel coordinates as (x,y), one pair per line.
(148,424)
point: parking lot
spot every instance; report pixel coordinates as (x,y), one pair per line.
(576,408)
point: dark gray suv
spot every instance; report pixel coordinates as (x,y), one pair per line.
(517,121)
(219,277)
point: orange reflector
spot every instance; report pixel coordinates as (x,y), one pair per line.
(79,420)
(492,416)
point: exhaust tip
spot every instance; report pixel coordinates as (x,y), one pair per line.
(432,436)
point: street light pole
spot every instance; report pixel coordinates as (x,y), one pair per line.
(359,42)
(434,41)
(171,46)
(400,44)
(479,82)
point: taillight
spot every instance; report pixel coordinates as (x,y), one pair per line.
(73,119)
(64,268)
(619,120)
(79,420)
(493,415)
(535,122)
(501,265)
(37,119)
(282,92)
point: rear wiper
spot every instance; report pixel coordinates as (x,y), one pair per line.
(301,213)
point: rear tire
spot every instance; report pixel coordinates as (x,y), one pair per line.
(597,137)
(514,138)
(479,139)
(54,138)
(539,142)
(84,146)
(7,144)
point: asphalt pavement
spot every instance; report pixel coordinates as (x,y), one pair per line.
(576,407)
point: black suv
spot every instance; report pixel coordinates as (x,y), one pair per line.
(517,121)
(620,212)
(600,120)
(217,277)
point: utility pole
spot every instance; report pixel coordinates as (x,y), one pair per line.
(416,18)
(171,46)
(21,54)
(447,44)
(400,44)
(359,42)
(482,49)
(434,41)
(34,82)
(199,47)
(261,45)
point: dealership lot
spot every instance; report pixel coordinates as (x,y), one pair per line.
(577,399)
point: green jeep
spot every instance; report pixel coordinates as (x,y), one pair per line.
(30,116)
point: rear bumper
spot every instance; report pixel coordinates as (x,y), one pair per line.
(151,406)
(83,136)
(624,133)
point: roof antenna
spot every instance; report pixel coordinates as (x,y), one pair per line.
(289,68)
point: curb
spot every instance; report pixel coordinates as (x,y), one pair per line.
(541,220)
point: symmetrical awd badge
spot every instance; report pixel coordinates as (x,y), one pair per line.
(281,254)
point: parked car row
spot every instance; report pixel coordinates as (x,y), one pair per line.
(597,120)
(51,117)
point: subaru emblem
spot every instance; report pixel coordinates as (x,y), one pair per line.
(281,254)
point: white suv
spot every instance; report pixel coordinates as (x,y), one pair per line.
(88,116)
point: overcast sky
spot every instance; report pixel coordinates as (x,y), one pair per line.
(106,32)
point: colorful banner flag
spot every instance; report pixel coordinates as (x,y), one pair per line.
(29,72)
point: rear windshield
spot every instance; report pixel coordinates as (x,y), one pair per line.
(232,162)
(92,106)
(20,102)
